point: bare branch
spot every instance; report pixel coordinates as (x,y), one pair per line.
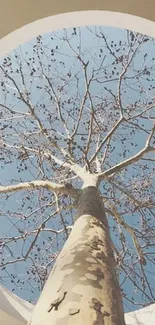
(106,139)
(132,160)
(57,188)
(130,230)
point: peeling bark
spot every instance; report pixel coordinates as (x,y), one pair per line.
(82,287)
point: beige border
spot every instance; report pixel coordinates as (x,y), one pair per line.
(74,19)
(17,13)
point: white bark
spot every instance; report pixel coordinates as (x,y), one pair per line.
(82,287)
(57,188)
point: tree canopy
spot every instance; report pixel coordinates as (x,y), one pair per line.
(73,103)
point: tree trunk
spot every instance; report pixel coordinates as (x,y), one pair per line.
(82,288)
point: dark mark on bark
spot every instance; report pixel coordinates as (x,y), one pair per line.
(55,304)
(96,305)
(73,311)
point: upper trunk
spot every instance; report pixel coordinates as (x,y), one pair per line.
(82,287)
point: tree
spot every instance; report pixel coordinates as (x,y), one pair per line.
(78,125)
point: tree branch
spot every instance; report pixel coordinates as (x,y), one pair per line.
(57,188)
(106,139)
(130,230)
(132,160)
